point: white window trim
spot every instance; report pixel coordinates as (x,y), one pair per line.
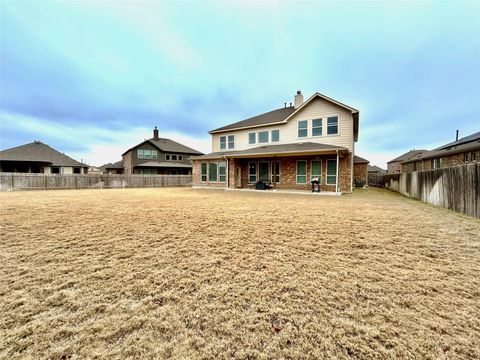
(326,173)
(298,128)
(268,137)
(279,171)
(306,172)
(220,142)
(321,170)
(228,142)
(326,128)
(316,127)
(271,137)
(206,174)
(255,135)
(218,170)
(170,157)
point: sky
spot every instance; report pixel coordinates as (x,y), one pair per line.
(92,78)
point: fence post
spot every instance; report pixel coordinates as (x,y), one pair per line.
(45,181)
(12,182)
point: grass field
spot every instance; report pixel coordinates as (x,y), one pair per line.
(207,274)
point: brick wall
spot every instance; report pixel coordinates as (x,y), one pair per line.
(393,168)
(127,163)
(360,173)
(288,172)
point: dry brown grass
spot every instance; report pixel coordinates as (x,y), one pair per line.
(203,274)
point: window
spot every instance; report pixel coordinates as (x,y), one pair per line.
(223,142)
(180,157)
(302,128)
(76,170)
(252,138)
(331,172)
(275,135)
(146,154)
(252,172)
(174,157)
(222,171)
(436,163)
(301,171)
(263,137)
(212,171)
(167,157)
(275,171)
(139,154)
(263,171)
(204,172)
(316,127)
(316,170)
(55,170)
(154,154)
(332,125)
(231,141)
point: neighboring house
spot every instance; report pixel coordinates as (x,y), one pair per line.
(93,170)
(37,157)
(360,171)
(395,166)
(458,152)
(286,147)
(159,156)
(112,168)
(374,169)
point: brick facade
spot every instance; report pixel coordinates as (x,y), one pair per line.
(238,172)
(444,161)
(360,173)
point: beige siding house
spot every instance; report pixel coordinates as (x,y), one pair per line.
(285,148)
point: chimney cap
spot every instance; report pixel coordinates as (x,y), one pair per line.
(298,92)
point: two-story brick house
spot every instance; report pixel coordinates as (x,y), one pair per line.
(286,148)
(158,156)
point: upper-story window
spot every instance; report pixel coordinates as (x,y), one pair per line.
(173,157)
(332,125)
(263,137)
(303,128)
(275,135)
(146,154)
(252,138)
(223,142)
(231,141)
(316,127)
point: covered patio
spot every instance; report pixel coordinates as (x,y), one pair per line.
(277,167)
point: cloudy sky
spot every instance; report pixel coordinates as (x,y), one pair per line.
(92,78)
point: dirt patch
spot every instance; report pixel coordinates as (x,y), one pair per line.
(188,273)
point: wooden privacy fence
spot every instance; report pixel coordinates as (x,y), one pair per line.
(456,188)
(21,181)
(375,180)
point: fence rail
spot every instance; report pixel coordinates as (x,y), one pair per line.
(456,188)
(22,181)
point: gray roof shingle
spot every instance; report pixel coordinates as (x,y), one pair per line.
(273,149)
(360,160)
(270,117)
(412,154)
(38,152)
(167,145)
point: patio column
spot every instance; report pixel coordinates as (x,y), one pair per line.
(336,177)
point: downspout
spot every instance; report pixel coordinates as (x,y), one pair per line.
(336,177)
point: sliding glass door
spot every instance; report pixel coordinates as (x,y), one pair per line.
(263,171)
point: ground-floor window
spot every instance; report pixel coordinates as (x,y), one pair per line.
(148,171)
(204,171)
(212,172)
(76,170)
(263,171)
(275,171)
(252,172)
(316,170)
(331,172)
(55,170)
(222,171)
(301,171)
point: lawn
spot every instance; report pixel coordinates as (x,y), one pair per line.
(208,274)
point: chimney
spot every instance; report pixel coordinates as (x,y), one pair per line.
(456,136)
(298,100)
(155,133)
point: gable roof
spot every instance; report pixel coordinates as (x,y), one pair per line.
(375,168)
(38,152)
(467,143)
(115,165)
(412,154)
(282,115)
(360,160)
(167,145)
